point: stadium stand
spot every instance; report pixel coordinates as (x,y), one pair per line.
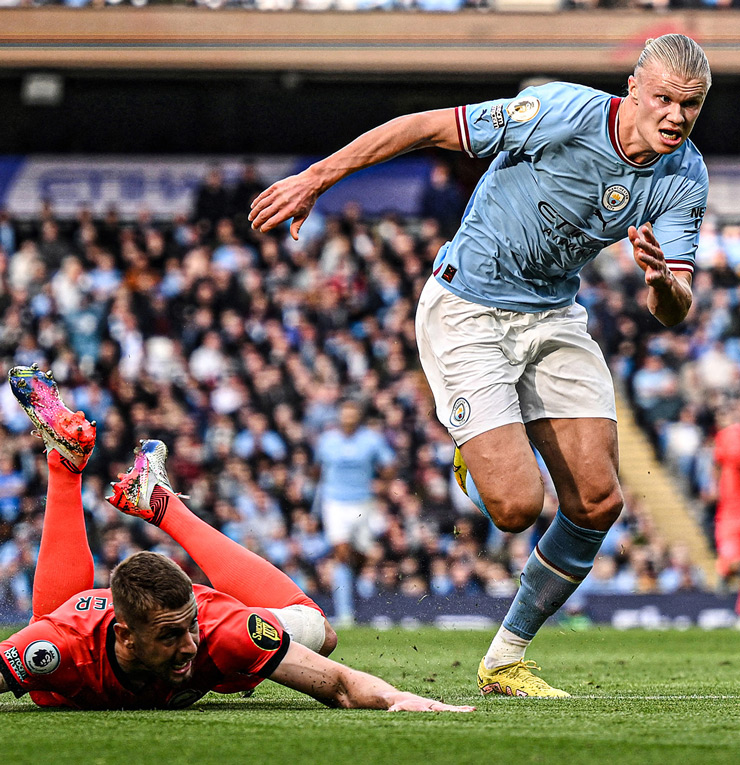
(235,349)
(431,6)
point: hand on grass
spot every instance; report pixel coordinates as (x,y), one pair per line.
(408,702)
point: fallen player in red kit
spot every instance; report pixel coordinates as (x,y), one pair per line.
(155,640)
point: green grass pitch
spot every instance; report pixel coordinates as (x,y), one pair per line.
(638,697)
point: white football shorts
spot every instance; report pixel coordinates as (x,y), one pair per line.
(350,521)
(488,367)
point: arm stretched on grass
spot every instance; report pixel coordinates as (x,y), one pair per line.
(335,685)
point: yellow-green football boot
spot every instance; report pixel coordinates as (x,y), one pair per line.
(460,469)
(516,680)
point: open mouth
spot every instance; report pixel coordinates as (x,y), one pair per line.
(670,136)
(182,669)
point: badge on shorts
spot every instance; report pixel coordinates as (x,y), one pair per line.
(460,412)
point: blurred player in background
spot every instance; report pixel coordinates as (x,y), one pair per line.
(502,342)
(348,458)
(154,639)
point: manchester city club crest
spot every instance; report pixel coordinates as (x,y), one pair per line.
(460,412)
(523,109)
(615,198)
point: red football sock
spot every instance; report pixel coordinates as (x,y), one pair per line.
(65,565)
(231,568)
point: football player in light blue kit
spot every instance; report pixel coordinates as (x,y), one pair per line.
(501,340)
(349,457)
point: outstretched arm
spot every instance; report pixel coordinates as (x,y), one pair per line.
(294,197)
(3,685)
(669,295)
(335,685)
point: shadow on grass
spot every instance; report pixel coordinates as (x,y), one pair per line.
(231,705)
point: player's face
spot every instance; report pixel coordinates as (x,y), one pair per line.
(167,645)
(667,106)
(350,417)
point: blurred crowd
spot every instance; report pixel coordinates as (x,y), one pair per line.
(258,359)
(448,6)
(684,383)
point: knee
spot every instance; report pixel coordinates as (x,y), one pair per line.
(330,639)
(602,511)
(307,626)
(514,514)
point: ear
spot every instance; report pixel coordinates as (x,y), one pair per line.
(632,87)
(124,636)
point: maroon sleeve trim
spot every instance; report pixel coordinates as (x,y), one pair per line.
(463,133)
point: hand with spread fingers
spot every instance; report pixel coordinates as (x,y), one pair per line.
(649,256)
(669,297)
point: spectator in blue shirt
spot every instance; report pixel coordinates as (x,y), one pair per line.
(12,486)
(257,438)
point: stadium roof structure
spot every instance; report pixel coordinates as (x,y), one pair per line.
(472,41)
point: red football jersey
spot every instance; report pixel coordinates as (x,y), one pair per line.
(727,456)
(67,658)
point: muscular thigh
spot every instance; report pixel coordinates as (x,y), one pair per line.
(505,470)
(582,455)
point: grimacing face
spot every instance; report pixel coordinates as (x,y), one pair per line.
(167,644)
(667,106)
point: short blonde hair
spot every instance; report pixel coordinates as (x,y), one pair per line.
(679,54)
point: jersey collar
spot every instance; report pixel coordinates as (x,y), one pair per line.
(614,136)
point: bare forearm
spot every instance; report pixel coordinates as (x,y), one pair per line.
(400,135)
(671,302)
(294,197)
(342,687)
(336,685)
(359,690)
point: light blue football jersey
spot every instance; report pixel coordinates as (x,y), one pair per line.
(348,463)
(558,191)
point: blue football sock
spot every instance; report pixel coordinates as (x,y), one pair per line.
(343,592)
(475,496)
(558,564)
